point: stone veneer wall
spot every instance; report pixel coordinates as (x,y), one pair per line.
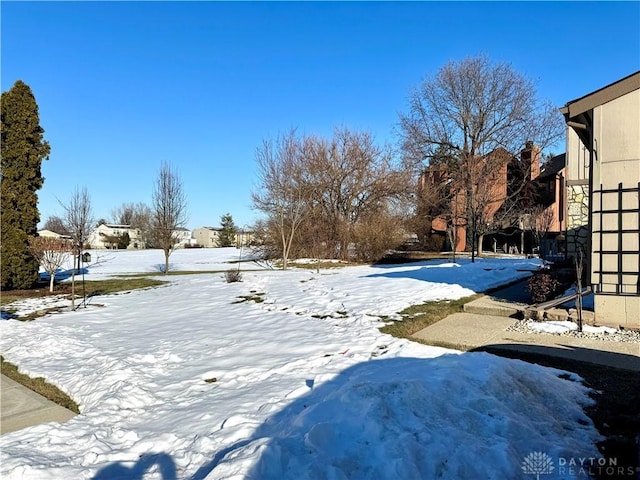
(577,219)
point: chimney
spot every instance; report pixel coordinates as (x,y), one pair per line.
(531,155)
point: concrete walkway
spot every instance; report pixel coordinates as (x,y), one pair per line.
(21,407)
(469,331)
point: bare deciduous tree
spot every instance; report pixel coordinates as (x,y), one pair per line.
(473,108)
(319,193)
(138,217)
(123,215)
(169,210)
(353,181)
(281,196)
(56,224)
(540,221)
(52,253)
(579,264)
(78,218)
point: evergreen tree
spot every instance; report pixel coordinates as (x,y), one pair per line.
(22,151)
(227,236)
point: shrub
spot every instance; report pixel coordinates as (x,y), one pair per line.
(543,287)
(434,242)
(233,276)
(374,237)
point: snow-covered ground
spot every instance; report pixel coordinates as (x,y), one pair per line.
(285,375)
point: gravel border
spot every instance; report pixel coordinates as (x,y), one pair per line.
(624,336)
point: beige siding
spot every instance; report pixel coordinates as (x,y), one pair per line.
(206,237)
(616,161)
(617,142)
(617,311)
(577,159)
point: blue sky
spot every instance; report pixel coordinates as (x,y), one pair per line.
(123,86)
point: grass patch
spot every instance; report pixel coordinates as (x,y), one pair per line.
(115,285)
(37,314)
(38,385)
(173,273)
(255,297)
(326,264)
(414,256)
(338,314)
(417,317)
(10,297)
(91,289)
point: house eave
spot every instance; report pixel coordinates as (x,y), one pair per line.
(603,95)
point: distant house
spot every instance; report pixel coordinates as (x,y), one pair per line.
(208,237)
(50,234)
(603,196)
(492,190)
(183,237)
(551,199)
(244,238)
(515,188)
(113,237)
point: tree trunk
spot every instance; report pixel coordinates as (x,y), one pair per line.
(166,261)
(52,276)
(579,267)
(473,240)
(480,240)
(73,285)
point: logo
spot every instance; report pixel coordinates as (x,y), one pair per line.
(537,463)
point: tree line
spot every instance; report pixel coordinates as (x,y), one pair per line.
(343,197)
(347,198)
(23,149)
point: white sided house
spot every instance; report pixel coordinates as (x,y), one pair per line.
(51,234)
(183,237)
(110,236)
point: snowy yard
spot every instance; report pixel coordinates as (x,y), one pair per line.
(193,381)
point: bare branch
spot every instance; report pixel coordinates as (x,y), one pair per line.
(480,114)
(51,253)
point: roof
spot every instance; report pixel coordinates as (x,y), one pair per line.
(553,166)
(213,229)
(601,96)
(48,233)
(113,225)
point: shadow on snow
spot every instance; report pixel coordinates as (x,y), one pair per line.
(463,272)
(370,415)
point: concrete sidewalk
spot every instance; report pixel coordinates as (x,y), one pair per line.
(21,407)
(470,331)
